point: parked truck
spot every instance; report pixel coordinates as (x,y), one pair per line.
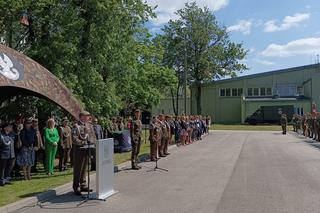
(270,114)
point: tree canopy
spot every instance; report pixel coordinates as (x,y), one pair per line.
(106,56)
(100,49)
(195,43)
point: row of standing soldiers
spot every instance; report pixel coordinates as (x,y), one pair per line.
(160,137)
(308,125)
(161,130)
(186,129)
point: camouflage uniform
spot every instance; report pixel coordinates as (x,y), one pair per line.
(315,128)
(295,123)
(318,127)
(309,126)
(136,132)
(284,123)
(155,139)
(168,138)
(164,137)
(81,134)
(65,146)
(304,125)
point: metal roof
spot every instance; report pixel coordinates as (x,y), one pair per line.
(293,69)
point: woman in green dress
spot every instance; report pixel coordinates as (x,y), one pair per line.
(51,136)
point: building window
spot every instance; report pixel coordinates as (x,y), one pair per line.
(222,92)
(299,90)
(262,91)
(234,92)
(269,92)
(256,91)
(231,92)
(299,111)
(228,92)
(286,90)
(250,92)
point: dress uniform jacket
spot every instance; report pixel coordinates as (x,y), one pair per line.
(65,137)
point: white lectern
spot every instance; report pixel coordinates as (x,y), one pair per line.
(105,168)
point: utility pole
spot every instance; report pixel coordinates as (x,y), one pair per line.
(185,78)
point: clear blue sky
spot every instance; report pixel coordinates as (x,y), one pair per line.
(277,33)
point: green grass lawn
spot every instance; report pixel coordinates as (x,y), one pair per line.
(248,127)
(40,182)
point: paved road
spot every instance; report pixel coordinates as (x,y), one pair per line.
(228,172)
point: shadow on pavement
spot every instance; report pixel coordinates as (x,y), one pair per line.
(309,141)
(66,201)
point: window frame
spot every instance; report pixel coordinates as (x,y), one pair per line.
(223,89)
(264,93)
(228,89)
(269,89)
(236,92)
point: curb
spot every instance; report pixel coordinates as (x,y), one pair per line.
(35,200)
(51,194)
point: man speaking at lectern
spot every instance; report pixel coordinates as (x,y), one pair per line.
(82,133)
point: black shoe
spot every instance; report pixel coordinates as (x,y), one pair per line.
(77,192)
(85,189)
(135,168)
(167,153)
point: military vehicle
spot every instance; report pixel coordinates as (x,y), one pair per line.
(270,114)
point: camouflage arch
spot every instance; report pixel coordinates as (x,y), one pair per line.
(21,75)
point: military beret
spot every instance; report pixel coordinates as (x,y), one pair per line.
(65,119)
(84,113)
(29,120)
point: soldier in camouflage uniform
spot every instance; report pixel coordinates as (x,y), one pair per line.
(299,123)
(295,122)
(82,133)
(284,123)
(315,127)
(304,125)
(155,138)
(136,132)
(318,126)
(309,126)
(164,136)
(168,138)
(114,126)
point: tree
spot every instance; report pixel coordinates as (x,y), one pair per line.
(99,49)
(195,43)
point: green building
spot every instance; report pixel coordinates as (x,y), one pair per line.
(233,100)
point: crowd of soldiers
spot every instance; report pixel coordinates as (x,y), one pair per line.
(307,125)
(183,130)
